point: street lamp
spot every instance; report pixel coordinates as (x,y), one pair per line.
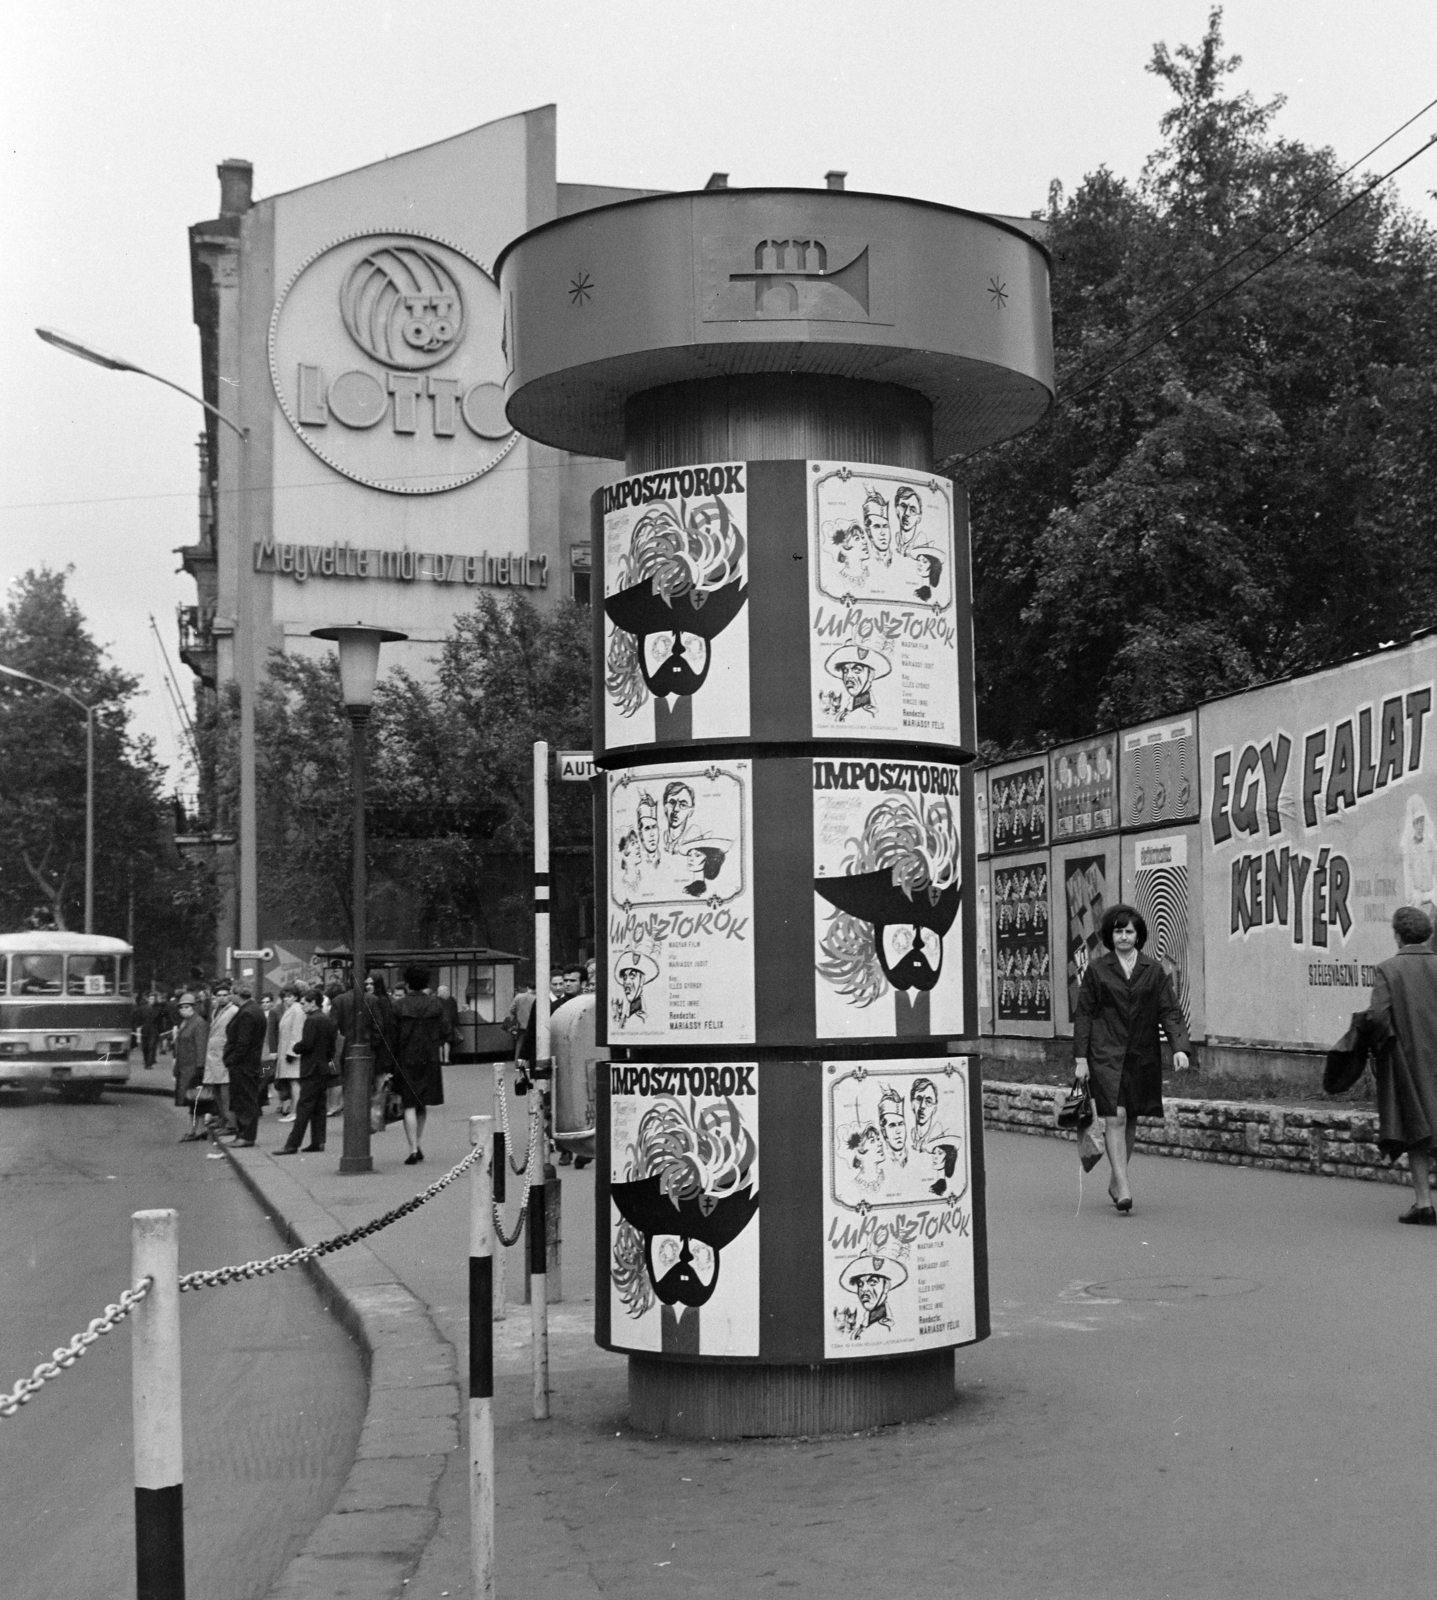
(358,672)
(15,672)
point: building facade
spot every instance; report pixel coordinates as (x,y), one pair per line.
(352,332)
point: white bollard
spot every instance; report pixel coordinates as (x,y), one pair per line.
(155,1377)
(481,1362)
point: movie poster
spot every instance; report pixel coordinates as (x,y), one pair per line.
(897,1211)
(1018,809)
(1160,774)
(1085,789)
(882,606)
(684,1209)
(1161,893)
(680,928)
(676,606)
(1085,892)
(887,887)
(1022,959)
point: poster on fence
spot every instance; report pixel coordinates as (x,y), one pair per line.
(1159,773)
(1319,824)
(1022,944)
(897,1207)
(684,1209)
(1085,883)
(1018,806)
(676,663)
(680,912)
(883,609)
(887,887)
(1085,788)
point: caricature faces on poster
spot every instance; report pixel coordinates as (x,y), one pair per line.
(882,605)
(887,886)
(1022,962)
(680,911)
(676,606)
(897,1214)
(684,1209)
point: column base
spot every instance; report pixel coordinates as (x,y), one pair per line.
(719,1400)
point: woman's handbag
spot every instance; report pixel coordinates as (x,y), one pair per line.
(1075,1109)
(385,1105)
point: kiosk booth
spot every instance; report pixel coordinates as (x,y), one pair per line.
(481,981)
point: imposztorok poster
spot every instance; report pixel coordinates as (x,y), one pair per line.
(887,881)
(680,913)
(684,1209)
(883,612)
(676,606)
(897,1212)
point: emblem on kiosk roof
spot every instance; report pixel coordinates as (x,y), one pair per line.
(797,278)
(387,361)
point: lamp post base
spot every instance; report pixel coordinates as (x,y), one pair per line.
(358,1075)
(722,1400)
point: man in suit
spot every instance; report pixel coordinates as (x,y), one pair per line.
(243,1059)
(316,1054)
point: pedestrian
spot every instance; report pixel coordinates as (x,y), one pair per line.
(217,1078)
(451,1013)
(286,1052)
(149,1019)
(421,1032)
(1403,1013)
(243,1059)
(317,1043)
(337,1002)
(1124,998)
(380,1009)
(191,1039)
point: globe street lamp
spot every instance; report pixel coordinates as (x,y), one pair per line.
(15,672)
(358,672)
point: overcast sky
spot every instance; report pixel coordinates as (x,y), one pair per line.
(115,116)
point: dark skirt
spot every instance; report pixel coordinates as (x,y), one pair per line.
(420,1086)
(1139,1091)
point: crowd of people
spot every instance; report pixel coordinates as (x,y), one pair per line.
(235,1054)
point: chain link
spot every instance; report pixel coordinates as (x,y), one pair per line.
(528,1188)
(502,1097)
(67,1355)
(258,1269)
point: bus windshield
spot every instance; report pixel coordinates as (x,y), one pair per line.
(50,973)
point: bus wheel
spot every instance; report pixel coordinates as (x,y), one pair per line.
(81,1094)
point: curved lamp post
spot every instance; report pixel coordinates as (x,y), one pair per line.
(89,710)
(358,672)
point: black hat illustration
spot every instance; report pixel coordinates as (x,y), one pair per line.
(700,613)
(715,1222)
(873,897)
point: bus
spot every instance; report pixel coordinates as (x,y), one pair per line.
(67,1003)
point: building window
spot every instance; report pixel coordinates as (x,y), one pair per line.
(581,587)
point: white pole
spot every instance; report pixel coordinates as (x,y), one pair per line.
(481,1362)
(538,1222)
(155,1378)
(498,1176)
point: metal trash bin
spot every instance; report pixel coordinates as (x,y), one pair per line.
(576,1057)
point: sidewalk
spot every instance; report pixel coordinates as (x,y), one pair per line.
(1244,1421)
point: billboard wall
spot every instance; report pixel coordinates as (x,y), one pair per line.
(1321,796)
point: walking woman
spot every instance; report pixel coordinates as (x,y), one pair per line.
(1124,998)
(422,1029)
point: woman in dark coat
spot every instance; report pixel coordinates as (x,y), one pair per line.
(421,1027)
(1403,1012)
(1124,998)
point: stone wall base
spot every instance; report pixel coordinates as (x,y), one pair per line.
(1332,1143)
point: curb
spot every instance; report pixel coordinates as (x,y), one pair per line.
(372,1539)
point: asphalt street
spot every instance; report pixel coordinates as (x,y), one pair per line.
(274,1390)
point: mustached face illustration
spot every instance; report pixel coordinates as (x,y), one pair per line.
(911,956)
(684,1270)
(674,663)
(907,930)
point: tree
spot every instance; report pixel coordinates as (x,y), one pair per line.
(1250,497)
(450,791)
(42,791)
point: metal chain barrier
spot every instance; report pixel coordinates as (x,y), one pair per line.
(257,1269)
(67,1355)
(503,1238)
(503,1100)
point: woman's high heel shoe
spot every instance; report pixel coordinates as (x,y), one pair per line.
(1124,1206)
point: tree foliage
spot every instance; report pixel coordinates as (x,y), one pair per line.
(42,792)
(1251,497)
(450,778)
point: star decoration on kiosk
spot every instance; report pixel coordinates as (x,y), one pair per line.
(581,289)
(998,292)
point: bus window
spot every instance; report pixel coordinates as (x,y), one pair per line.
(38,974)
(91,975)
(127,982)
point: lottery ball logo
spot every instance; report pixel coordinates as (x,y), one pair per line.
(402,305)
